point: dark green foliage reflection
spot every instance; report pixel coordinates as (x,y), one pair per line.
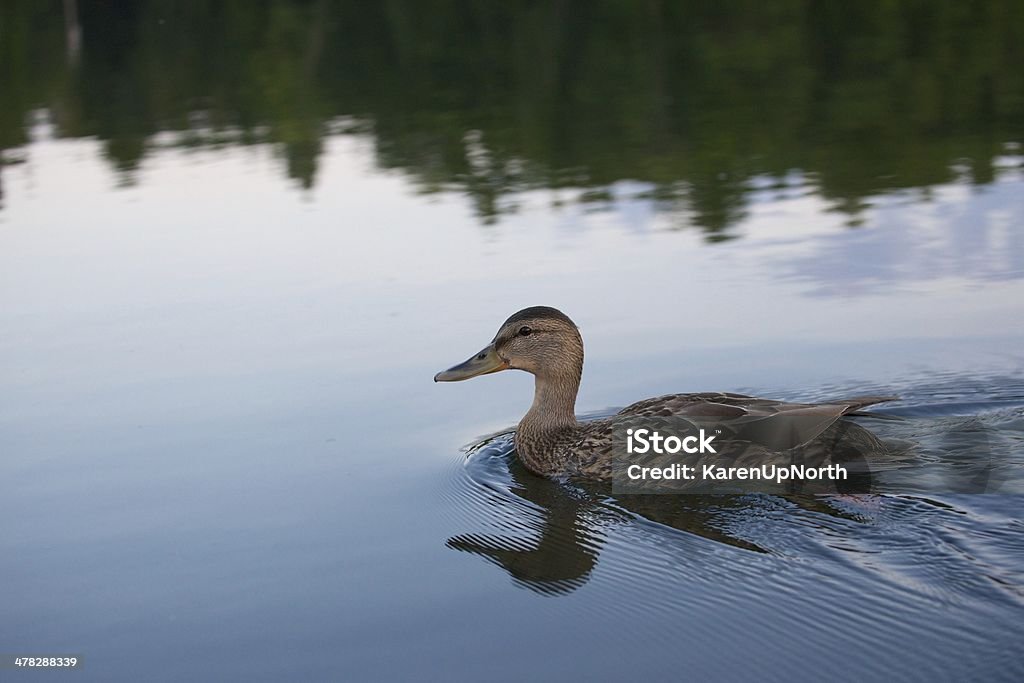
(494,98)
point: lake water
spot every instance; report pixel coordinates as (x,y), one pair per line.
(236,244)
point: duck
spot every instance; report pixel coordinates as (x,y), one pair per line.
(552,442)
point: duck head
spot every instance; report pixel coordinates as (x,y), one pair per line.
(540,340)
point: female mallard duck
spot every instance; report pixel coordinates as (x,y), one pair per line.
(550,440)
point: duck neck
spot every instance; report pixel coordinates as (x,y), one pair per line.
(554,404)
(550,423)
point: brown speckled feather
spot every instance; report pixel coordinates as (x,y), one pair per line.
(756,426)
(551,441)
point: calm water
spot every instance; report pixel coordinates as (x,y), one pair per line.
(236,244)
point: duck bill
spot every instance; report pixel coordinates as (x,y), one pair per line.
(483,363)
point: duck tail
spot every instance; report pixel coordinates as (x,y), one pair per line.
(857,404)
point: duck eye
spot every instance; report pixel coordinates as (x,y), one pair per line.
(524,330)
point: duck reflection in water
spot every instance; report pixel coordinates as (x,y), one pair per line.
(550,442)
(570,523)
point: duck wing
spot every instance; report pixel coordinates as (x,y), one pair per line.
(777,425)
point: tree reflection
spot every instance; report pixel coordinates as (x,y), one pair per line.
(496,98)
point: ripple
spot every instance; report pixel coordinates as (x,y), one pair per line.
(915,586)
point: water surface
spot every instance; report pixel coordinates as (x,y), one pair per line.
(236,244)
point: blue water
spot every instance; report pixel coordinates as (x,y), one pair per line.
(224,454)
(237,244)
